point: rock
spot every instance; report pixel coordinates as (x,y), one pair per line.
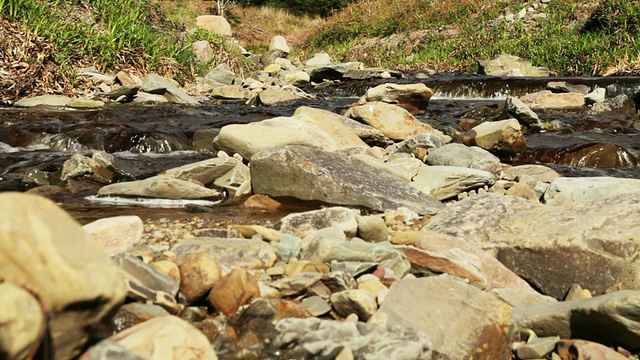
(80,103)
(161,187)
(297,284)
(457,263)
(167,267)
(302,224)
(22,321)
(221,75)
(480,322)
(445,182)
(509,65)
(295,78)
(419,144)
(46,251)
(205,171)
(372,228)
(332,71)
(301,266)
(368,134)
(166,337)
(463,156)
(116,234)
(587,350)
(143,97)
(156,84)
(56,101)
(128,91)
(606,319)
(235,289)
(537,348)
(333,178)
(130,314)
(275,96)
(279,43)
(537,172)
(620,104)
(215,24)
(522,296)
(503,136)
(321,59)
(565,87)
(289,247)
(394,121)
(414,95)
(237,181)
(229,92)
(146,275)
(199,272)
(249,231)
(316,305)
(270,310)
(231,253)
(596,96)
(530,239)
(125,78)
(359,302)
(514,107)
(546,100)
(249,139)
(261,202)
(109,350)
(315,338)
(601,155)
(203,51)
(564,191)
(330,123)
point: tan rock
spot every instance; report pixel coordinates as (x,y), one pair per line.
(116,234)
(416,95)
(406,237)
(375,287)
(234,290)
(249,231)
(332,124)
(22,322)
(503,135)
(167,267)
(302,266)
(441,263)
(161,187)
(216,24)
(359,302)
(166,338)
(199,273)
(261,202)
(546,100)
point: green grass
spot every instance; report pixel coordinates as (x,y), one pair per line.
(578,37)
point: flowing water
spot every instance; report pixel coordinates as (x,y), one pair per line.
(34,143)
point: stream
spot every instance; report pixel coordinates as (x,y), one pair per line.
(147,139)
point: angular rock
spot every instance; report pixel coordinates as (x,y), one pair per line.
(161,187)
(231,253)
(156,84)
(80,103)
(546,100)
(295,78)
(514,107)
(596,96)
(221,75)
(155,339)
(310,174)
(203,171)
(537,348)
(316,305)
(203,51)
(297,283)
(332,71)
(235,289)
(587,350)
(216,24)
(109,350)
(460,155)
(320,59)
(564,190)
(608,319)
(315,338)
(116,234)
(373,228)
(229,92)
(565,87)
(359,302)
(443,263)
(145,98)
(199,272)
(46,251)
(620,104)
(289,247)
(445,182)
(504,136)
(509,65)
(394,121)
(414,95)
(279,43)
(21,321)
(128,91)
(531,240)
(419,144)
(367,133)
(146,275)
(537,172)
(522,296)
(481,323)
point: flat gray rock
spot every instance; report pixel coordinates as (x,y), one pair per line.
(471,157)
(445,182)
(564,190)
(161,187)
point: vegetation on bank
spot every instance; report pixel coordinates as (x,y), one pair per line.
(576,37)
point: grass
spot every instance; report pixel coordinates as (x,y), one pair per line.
(578,37)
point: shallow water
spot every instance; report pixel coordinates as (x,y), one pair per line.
(148,139)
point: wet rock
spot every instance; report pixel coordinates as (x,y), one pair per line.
(331,71)
(56,101)
(155,339)
(330,123)
(116,234)
(21,321)
(161,187)
(546,100)
(503,136)
(515,108)
(359,302)
(216,24)
(415,95)
(467,320)
(530,239)
(229,92)
(235,289)
(132,314)
(333,178)
(231,253)
(203,171)
(445,182)
(248,139)
(315,338)
(587,350)
(302,224)
(74,291)
(565,87)
(394,121)
(564,191)
(109,350)
(270,310)
(146,275)
(156,84)
(607,319)
(199,272)
(460,155)
(509,65)
(620,104)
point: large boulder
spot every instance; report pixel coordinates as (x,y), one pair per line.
(459,319)
(564,190)
(330,123)
(46,251)
(394,121)
(553,247)
(509,65)
(311,174)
